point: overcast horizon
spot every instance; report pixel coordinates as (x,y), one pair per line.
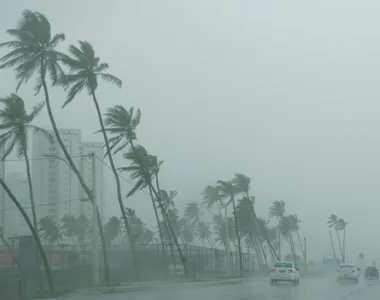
(285,93)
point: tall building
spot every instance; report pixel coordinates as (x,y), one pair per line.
(15,223)
(56,187)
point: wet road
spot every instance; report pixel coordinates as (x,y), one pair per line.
(259,289)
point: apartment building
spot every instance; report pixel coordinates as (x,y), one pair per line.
(56,188)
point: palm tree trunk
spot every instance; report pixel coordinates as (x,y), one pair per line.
(166,228)
(33,206)
(333,247)
(159,231)
(33,231)
(238,237)
(340,244)
(76,171)
(262,251)
(263,232)
(118,187)
(293,249)
(301,246)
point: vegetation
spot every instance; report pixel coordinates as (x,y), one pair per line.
(225,218)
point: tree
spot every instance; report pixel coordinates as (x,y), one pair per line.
(49,230)
(228,190)
(287,228)
(69,227)
(111,230)
(82,227)
(242,185)
(338,224)
(86,69)
(33,51)
(204,233)
(16,123)
(33,231)
(277,210)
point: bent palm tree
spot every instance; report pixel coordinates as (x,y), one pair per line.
(32,230)
(242,184)
(228,190)
(16,123)
(277,210)
(33,52)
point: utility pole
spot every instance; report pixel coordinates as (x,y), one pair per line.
(95,234)
(304,245)
(227,248)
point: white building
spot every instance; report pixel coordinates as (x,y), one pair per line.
(56,187)
(15,223)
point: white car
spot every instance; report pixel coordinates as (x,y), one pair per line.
(348,271)
(284,271)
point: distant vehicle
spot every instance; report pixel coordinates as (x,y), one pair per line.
(348,271)
(371,273)
(284,271)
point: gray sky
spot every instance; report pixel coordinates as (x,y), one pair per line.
(283,91)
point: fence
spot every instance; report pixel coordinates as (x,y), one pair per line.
(155,262)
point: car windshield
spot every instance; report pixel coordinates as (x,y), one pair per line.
(283,265)
(347,266)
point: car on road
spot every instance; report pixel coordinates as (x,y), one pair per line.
(348,271)
(371,273)
(284,271)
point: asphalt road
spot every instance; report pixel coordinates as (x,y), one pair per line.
(309,289)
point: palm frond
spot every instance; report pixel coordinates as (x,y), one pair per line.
(111,79)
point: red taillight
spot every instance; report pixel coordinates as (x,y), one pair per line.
(291,271)
(273,270)
(353,271)
(337,270)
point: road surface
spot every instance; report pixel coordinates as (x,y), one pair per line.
(258,289)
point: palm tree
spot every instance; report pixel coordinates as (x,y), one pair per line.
(33,231)
(242,185)
(228,190)
(49,230)
(342,225)
(277,210)
(69,227)
(33,52)
(121,124)
(287,228)
(16,123)
(204,233)
(86,69)
(192,213)
(338,225)
(211,197)
(112,230)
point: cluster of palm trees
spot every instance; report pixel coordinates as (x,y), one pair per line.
(338,225)
(33,55)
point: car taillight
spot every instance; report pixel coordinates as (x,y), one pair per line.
(353,271)
(291,271)
(273,270)
(337,270)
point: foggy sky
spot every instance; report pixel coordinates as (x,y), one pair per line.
(285,92)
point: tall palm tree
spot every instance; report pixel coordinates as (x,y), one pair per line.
(32,230)
(242,184)
(211,197)
(342,225)
(33,51)
(277,210)
(86,70)
(16,124)
(287,228)
(192,213)
(228,190)
(335,223)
